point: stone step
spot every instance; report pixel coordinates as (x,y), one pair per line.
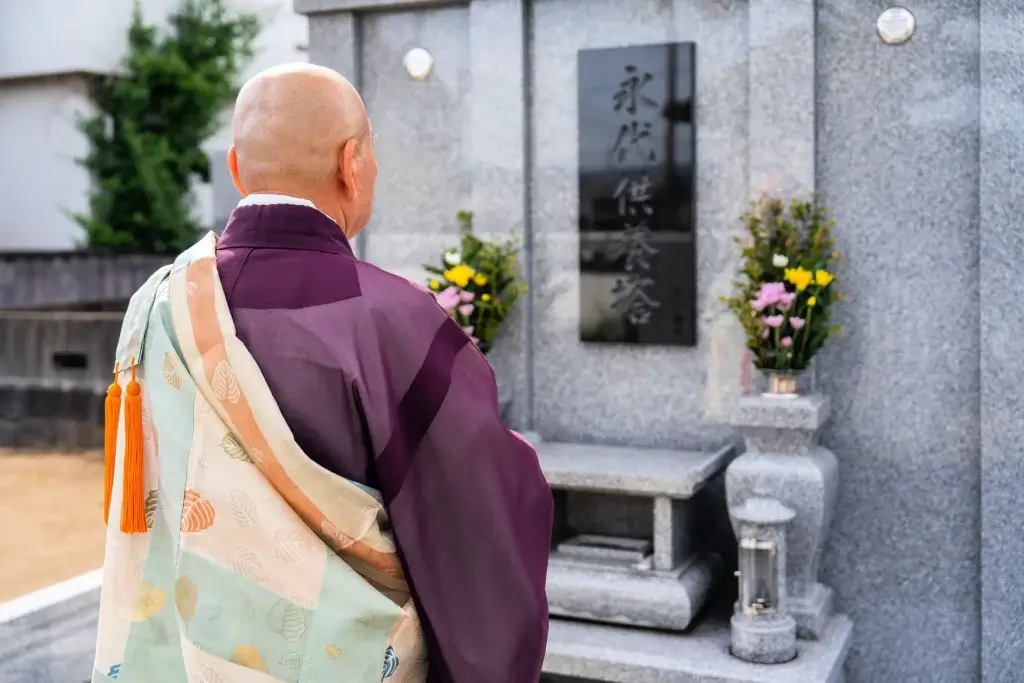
(50,635)
(623,470)
(631,594)
(617,654)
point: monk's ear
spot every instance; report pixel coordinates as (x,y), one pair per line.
(233,170)
(348,168)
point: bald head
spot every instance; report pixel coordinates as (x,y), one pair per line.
(297,130)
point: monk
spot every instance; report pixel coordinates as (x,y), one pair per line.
(307,474)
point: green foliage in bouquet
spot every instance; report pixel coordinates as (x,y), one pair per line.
(786,286)
(152,117)
(478,282)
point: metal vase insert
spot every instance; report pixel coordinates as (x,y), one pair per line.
(782,384)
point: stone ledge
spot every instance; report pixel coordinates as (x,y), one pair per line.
(625,595)
(629,471)
(616,654)
(778,412)
(324,6)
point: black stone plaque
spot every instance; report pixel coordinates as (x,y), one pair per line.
(637,160)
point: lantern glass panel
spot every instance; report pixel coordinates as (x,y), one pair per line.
(759,575)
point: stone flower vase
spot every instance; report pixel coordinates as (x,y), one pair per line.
(784,461)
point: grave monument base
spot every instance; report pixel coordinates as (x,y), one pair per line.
(615,654)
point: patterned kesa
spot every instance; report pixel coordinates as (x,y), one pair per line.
(258,565)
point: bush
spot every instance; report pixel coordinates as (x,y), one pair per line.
(151,121)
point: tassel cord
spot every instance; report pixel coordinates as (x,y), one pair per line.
(133,504)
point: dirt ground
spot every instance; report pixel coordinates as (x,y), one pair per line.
(51,518)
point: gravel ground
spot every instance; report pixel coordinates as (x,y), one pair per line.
(51,518)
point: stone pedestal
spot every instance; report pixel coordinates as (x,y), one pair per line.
(785,461)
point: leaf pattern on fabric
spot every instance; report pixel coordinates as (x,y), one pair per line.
(197,513)
(191,288)
(203,461)
(287,620)
(225,384)
(185,597)
(246,563)
(290,544)
(250,658)
(292,660)
(152,505)
(229,444)
(170,372)
(332,651)
(150,600)
(244,509)
(150,442)
(390,663)
(207,674)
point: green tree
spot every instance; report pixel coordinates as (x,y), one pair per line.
(150,123)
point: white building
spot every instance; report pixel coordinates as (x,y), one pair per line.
(48,52)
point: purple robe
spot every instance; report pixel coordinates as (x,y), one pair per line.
(379,385)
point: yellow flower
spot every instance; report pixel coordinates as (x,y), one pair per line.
(798,277)
(812,301)
(459,275)
(480,280)
(822,278)
(435,285)
(485,297)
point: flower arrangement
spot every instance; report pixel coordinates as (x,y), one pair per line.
(478,282)
(786,288)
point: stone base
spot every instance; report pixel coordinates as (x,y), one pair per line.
(629,595)
(50,636)
(763,640)
(623,655)
(812,611)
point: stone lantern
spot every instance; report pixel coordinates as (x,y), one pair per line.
(763,630)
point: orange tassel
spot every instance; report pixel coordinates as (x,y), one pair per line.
(111,414)
(133,503)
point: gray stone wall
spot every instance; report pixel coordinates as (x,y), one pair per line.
(916,149)
(71,279)
(898,162)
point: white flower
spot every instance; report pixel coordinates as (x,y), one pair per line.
(453,257)
(780,261)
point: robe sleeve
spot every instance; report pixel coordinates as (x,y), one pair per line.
(471,514)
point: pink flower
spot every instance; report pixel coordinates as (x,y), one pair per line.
(448,299)
(786,342)
(797,323)
(785,300)
(773,320)
(475,341)
(764,333)
(468,329)
(467,296)
(466,309)
(770,294)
